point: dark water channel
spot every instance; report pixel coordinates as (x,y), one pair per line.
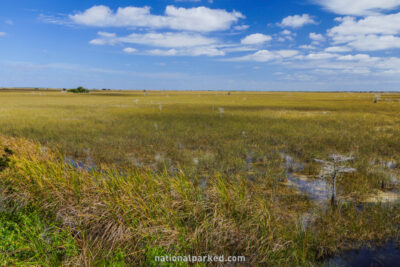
(387,255)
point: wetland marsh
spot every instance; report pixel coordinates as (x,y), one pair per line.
(118,177)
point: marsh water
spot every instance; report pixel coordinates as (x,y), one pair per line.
(387,255)
(319,191)
(316,189)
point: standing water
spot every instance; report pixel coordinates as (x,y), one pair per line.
(388,255)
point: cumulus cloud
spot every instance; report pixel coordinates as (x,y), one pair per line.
(167,39)
(308,47)
(358,7)
(316,37)
(106,34)
(297,21)
(210,51)
(166,44)
(159,52)
(241,27)
(368,34)
(256,39)
(381,24)
(3,33)
(201,19)
(358,57)
(266,55)
(337,49)
(375,42)
(319,56)
(287,53)
(129,50)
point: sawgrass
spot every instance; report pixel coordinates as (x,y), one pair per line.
(193,173)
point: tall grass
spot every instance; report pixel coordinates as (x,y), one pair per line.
(132,216)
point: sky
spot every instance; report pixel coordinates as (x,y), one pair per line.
(299,45)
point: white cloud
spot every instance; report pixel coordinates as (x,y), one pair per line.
(168,39)
(200,19)
(374,42)
(99,42)
(316,37)
(319,56)
(309,47)
(287,53)
(381,24)
(266,55)
(106,34)
(259,56)
(358,7)
(286,35)
(256,39)
(297,21)
(286,32)
(337,49)
(3,34)
(368,34)
(239,48)
(129,50)
(241,27)
(159,52)
(358,57)
(210,51)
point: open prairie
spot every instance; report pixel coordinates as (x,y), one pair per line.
(119,177)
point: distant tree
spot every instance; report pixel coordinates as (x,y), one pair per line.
(332,170)
(79,90)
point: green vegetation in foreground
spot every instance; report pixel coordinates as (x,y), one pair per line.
(191,173)
(28,239)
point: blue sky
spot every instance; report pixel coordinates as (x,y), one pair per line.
(201,44)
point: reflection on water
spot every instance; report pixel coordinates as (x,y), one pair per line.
(315,189)
(79,164)
(388,255)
